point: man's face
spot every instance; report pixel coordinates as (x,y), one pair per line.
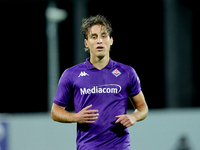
(98,41)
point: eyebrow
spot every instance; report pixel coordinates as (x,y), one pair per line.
(92,34)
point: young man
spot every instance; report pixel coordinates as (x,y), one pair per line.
(100,88)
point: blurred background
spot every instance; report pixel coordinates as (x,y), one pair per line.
(41,38)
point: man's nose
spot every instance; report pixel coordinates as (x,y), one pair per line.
(99,40)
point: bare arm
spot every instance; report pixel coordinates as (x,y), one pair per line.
(141,111)
(141,107)
(58,113)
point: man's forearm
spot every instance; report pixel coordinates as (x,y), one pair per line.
(59,114)
(141,112)
(140,105)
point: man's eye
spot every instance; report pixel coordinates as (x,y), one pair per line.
(94,37)
(103,36)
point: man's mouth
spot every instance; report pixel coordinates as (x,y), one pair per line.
(100,48)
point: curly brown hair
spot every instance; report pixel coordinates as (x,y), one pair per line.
(87,23)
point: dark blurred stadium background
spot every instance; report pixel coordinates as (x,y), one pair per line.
(158,38)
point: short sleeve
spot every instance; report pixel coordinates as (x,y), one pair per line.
(64,90)
(135,86)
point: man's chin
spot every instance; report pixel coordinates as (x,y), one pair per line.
(101,56)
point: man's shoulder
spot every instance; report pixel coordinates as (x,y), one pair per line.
(128,70)
(73,69)
(123,66)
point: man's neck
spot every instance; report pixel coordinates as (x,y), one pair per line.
(99,63)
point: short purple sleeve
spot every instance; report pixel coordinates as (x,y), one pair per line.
(135,87)
(64,90)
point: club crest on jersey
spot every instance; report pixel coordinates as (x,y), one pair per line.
(116,73)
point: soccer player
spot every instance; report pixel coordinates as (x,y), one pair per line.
(100,88)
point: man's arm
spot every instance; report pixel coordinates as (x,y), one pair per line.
(141,111)
(58,113)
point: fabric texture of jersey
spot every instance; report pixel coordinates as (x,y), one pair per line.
(107,90)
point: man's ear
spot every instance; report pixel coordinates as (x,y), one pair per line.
(85,42)
(111,43)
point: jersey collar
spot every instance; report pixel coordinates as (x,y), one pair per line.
(90,66)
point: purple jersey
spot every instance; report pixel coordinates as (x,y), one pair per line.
(107,90)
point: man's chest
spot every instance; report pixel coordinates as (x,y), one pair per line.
(100,81)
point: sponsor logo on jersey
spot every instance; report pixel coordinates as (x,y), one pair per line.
(116,73)
(83,74)
(107,88)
